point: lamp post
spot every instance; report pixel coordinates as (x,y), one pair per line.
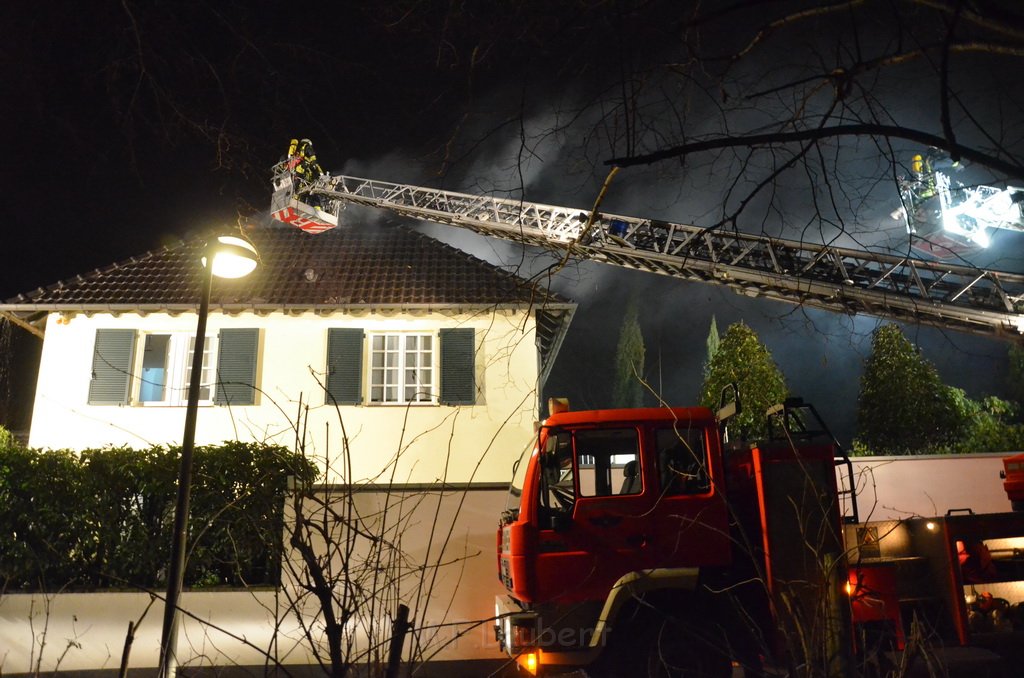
(224,257)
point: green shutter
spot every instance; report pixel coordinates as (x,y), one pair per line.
(112,367)
(458,366)
(236,367)
(344,366)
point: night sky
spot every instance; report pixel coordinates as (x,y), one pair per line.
(129,125)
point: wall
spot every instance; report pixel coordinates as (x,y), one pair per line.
(416,444)
(450,587)
(890,488)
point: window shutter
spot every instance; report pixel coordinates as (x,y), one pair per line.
(111,367)
(344,366)
(458,366)
(236,367)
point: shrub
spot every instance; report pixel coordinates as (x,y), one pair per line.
(103,518)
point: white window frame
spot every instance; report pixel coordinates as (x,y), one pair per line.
(377,375)
(178,370)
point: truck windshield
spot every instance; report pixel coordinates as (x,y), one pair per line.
(515,488)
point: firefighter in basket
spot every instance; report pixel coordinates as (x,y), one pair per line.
(920,189)
(302,161)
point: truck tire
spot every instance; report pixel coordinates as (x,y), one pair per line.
(660,648)
(673,651)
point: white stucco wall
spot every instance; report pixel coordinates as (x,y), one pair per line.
(891,488)
(416,444)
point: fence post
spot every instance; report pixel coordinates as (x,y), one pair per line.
(398,631)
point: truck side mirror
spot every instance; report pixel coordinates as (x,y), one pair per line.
(728,408)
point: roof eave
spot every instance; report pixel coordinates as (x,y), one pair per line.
(264,308)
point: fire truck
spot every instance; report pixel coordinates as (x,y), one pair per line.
(1013,480)
(644,541)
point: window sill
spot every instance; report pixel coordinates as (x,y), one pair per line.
(207,403)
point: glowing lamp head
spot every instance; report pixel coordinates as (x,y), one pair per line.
(231,257)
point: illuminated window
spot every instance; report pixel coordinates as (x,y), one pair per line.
(166,369)
(608,462)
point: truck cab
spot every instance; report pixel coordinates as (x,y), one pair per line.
(606,504)
(605,493)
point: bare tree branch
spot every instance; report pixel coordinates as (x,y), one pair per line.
(818,134)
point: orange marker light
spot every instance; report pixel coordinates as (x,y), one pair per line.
(557,405)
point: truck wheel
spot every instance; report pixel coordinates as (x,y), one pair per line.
(669,651)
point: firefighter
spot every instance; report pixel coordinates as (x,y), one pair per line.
(307,167)
(925,166)
(302,160)
(292,159)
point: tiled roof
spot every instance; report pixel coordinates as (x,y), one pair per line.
(386,265)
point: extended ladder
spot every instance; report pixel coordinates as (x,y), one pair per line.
(838,279)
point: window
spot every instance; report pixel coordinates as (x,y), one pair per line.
(402,368)
(608,461)
(162,373)
(558,494)
(166,369)
(682,461)
(602,462)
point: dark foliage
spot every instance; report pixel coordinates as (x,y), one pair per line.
(102,519)
(903,407)
(742,359)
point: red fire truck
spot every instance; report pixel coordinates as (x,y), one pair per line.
(638,541)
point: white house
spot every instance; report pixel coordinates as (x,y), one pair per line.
(427,360)
(402,365)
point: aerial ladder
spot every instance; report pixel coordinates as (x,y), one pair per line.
(844,280)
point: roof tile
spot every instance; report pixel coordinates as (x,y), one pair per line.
(387,265)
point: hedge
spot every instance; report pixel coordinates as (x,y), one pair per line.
(102,519)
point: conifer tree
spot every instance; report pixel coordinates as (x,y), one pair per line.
(903,406)
(628,389)
(741,358)
(712,344)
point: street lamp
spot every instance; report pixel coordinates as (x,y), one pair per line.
(224,257)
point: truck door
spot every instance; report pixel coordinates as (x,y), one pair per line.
(592,493)
(689,523)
